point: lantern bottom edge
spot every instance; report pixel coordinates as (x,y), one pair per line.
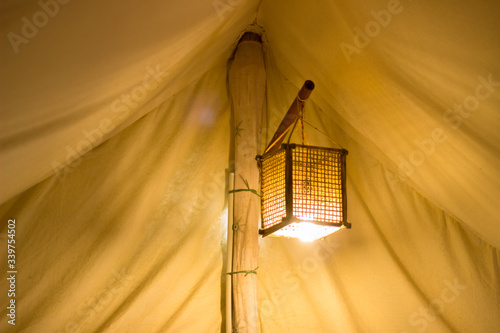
(304,230)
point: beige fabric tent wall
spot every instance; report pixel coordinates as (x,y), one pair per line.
(115,137)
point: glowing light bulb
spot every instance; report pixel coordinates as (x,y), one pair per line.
(307,232)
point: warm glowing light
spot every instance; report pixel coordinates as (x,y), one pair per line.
(305,231)
(303,192)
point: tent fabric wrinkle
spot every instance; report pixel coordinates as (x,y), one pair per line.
(115,150)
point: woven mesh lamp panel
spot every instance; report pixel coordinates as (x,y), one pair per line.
(303,186)
(273,185)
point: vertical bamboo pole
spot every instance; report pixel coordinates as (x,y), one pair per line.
(247,84)
(229,265)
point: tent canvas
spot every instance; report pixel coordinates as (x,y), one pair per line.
(115,142)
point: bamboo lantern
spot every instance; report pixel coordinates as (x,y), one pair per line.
(303,189)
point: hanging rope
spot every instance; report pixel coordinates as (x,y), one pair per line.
(308,123)
(304,137)
(300,117)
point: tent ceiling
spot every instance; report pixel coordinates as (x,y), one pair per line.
(115,131)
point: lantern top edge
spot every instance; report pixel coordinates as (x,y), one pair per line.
(286,146)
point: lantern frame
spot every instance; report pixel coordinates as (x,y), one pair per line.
(329,195)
